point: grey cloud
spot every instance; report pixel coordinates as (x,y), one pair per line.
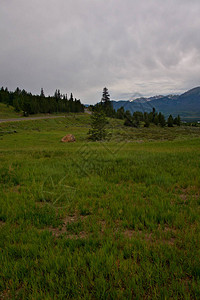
(130,46)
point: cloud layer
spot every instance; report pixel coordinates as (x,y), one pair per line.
(131,46)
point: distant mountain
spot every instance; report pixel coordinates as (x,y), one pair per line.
(186,105)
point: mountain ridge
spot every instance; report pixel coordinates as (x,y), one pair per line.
(187,105)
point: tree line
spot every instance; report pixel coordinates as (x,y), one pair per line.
(21,100)
(134,119)
(105,109)
(158,119)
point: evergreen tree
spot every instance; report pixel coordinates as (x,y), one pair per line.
(98,123)
(106,104)
(138,115)
(146,120)
(17,91)
(59,94)
(105,100)
(170,121)
(153,113)
(71,97)
(156,120)
(56,95)
(161,120)
(128,118)
(120,113)
(42,93)
(177,121)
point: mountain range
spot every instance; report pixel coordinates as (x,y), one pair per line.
(187,105)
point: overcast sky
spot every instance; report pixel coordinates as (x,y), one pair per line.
(133,47)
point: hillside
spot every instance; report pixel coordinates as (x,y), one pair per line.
(8,112)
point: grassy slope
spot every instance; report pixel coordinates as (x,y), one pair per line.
(8,112)
(118,219)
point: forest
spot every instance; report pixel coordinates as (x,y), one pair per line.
(21,100)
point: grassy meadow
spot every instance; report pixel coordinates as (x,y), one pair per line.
(8,112)
(118,219)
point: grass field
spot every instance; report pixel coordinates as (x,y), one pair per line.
(99,220)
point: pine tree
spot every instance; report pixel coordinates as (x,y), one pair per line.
(71,97)
(177,121)
(42,93)
(146,120)
(105,100)
(170,121)
(156,120)
(120,113)
(161,120)
(98,123)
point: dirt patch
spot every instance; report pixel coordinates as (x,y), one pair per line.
(6,294)
(63,231)
(167,229)
(72,219)
(168,240)
(2,223)
(102,225)
(189,192)
(183,197)
(171,241)
(59,232)
(16,189)
(131,232)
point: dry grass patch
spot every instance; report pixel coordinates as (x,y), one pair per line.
(148,237)
(129,233)
(58,232)
(16,189)
(6,294)
(2,223)
(62,230)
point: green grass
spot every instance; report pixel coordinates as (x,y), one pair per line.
(111,220)
(7,112)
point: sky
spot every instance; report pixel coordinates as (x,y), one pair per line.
(133,47)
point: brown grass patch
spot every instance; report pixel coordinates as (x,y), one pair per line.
(103,225)
(131,232)
(6,294)
(63,231)
(2,223)
(170,241)
(190,191)
(72,219)
(16,189)
(168,229)
(58,232)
